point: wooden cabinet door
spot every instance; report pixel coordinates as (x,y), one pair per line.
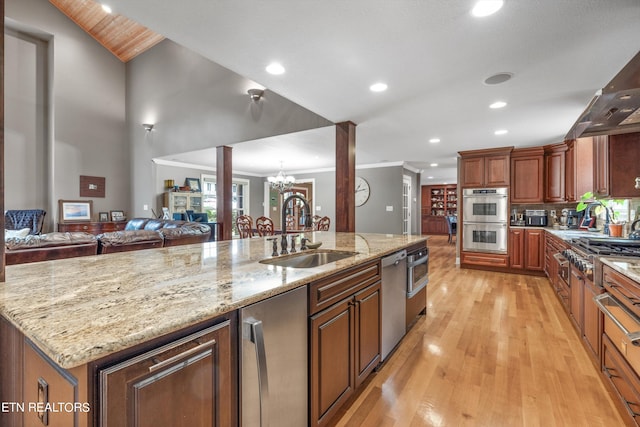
(496,171)
(472,173)
(624,162)
(554,176)
(44,385)
(516,248)
(601,165)
(534,250)
(368,329)
(592,321)
(188,382)
(332,360)
(570,172)
(576,291)
(527,177)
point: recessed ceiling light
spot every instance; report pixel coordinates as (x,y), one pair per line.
(106,8)
(433,165)
(486,7)
(434,140)
(275,68)
(498,78)
(429,177)
(501,132)
(625,97)
(498,104)
(597,124)
(378,87)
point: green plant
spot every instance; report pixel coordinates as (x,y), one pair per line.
(588,199)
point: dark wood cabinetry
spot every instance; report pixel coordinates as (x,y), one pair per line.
(579,173)
(186,382)
(92,227)
(485,168)
(527,175)
(554,164)
(601,165)
(624,165)
(438,201)
(345,337)
(526,249)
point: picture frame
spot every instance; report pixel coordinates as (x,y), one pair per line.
(75,210)
(193,183)
(117,215)
(103,216)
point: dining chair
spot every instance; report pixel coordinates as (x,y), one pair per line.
(291,222)
(324,223)
(264,225)
(244,224)
(315,219)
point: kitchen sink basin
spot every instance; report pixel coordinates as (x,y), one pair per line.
(308,259)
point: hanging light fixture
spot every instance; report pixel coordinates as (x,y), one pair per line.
(281,182)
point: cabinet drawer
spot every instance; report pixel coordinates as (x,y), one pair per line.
(622,378)
(621,287)
(325,292)
(485,259)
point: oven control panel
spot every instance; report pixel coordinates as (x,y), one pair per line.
(582,262)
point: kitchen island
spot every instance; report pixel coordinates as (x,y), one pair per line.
(82,310)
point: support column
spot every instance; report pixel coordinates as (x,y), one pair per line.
(224,177)
(345,177)
(2,261)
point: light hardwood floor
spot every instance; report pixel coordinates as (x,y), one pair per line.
(493,350)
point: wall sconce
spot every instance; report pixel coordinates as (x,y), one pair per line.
(255,94)
(147,126)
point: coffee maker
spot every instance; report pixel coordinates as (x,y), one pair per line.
(573,218)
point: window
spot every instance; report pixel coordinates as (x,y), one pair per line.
(239,199)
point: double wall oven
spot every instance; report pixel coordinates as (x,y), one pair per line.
(485,212)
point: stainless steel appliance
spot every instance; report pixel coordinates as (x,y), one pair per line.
(394,301)
(485,204)
(573,219)
(485,216)
(485,237)
(417,271)
(273,337)
(535,217)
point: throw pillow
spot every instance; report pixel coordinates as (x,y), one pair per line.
(8,234)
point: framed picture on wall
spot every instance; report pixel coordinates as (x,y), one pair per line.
(193,183)
(75,210)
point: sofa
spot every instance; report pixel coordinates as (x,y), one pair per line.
(139,233)
(49,246)
(147,233)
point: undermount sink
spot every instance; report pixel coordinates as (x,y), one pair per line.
(309,259)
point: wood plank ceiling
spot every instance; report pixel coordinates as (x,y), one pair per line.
(121,36)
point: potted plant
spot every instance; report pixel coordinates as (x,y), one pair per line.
(612,225)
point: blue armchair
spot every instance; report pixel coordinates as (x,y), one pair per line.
(25,218)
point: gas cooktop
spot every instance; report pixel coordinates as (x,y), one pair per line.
(608,246)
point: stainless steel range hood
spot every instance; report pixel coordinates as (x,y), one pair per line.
(614,109)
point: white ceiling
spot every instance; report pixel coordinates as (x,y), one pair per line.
(433,55)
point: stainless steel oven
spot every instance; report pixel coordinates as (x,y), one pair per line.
(485,204)
(485,237)
(417,271)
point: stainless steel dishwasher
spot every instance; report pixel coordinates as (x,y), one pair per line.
(394,301)
(273,337)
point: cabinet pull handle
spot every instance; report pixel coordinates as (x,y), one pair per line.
(43,401)
(257,337)
(634,337)
(607,372)
(182,355)
(631,411)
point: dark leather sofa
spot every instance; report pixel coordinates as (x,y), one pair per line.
(49,246)
(146,233)
(139,233)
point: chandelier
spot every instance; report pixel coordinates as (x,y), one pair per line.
(281,182)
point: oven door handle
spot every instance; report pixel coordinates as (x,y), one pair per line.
(634,337)
(418,261)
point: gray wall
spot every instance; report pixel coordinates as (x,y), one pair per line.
(87,131)
(386,190)
(195,104)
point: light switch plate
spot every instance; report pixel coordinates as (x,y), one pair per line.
(389,208)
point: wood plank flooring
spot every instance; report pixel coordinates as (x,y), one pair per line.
(493,350)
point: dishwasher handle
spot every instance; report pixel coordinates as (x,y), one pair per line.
(256,336)
(394,259)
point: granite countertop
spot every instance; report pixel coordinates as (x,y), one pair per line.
(81,309)
(573,233)
(630,267)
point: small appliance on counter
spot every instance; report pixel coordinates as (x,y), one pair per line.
(535,218)
(573,218)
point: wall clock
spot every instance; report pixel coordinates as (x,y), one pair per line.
(362,191)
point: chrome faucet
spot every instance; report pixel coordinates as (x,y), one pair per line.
(307,221)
